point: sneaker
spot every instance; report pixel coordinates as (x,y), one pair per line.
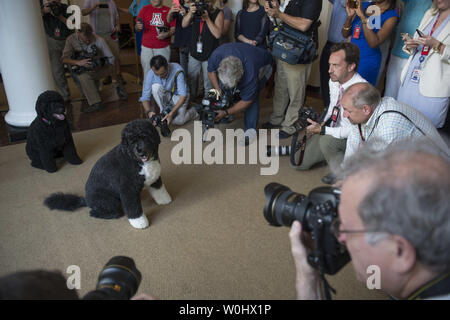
(121,92)
(283,135)
(227,119)
(268,125)
(329,179)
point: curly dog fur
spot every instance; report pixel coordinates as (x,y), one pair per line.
(116,180)
(49,134)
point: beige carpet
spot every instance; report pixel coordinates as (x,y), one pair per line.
(212,242)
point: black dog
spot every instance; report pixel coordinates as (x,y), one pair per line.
(49,135)
(116,180)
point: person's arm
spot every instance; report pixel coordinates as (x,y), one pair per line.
(169,117)
(307,280)
(88,9)
(216,26)
(123,10)
(189,17)
(226,26)
(264,31)
(298,23)
(376,39)
(174,10)
(239,106)
(347,28)
(146,95)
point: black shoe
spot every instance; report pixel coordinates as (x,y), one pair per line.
(95,107)
(121,92)
(329,179)
(268,125)
(283,135)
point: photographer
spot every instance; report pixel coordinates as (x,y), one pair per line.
(393,213)
(291,80)
(54,15)
(207,25)
(89,57)
(328,140)
(166,82)
(246,68)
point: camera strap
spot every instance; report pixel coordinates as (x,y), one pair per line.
(174,84)
(297,146)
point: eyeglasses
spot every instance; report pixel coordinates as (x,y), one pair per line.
(336,229)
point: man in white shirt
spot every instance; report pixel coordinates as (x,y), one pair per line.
(328,139)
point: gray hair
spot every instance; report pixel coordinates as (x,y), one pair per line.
(230,71)
(364,94)
(410,197)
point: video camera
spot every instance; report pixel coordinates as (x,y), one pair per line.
(317,213)
(213,102)
(119,280)
(162,124)
(96,62)
(201,7)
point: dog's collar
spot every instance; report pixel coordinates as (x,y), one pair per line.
(46,121)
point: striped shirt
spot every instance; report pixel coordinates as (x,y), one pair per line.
(383,129)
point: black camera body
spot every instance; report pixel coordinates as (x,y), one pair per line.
(119,280)
(162,124)
(96,62)
(303,114)
(316,212)
(211,103)
(57,8)
(201,7)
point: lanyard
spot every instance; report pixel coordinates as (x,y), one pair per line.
(426,49)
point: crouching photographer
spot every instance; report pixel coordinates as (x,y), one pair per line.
(119,280)
(166,83)
(89,58)
(246,68)
(392,213)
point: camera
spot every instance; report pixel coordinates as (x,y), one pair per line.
(96,62)
(119,280)
(303,115)
(162,124)
(201,7)
(56,8)
(162,29)
(317,213)
(213,102)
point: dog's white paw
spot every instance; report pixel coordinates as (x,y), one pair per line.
(161,196)
(139,223)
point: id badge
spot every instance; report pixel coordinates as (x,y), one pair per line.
(199,47)
(335,114)
(357,32)
(415,76)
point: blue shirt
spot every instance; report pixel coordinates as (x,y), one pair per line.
(411,16)
(135,8)
(337,20)
(167,82)
(253,59)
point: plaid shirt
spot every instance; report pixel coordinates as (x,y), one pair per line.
(391,127)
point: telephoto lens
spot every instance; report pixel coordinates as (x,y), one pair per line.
(273,151)
(119,280)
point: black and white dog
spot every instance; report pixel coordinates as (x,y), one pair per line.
(117,179)
(49,134)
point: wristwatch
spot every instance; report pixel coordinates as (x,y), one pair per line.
(322,131)
(364,21)
(437,49)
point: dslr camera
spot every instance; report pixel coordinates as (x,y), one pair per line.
(162,124)
(201,7)
(317,213)
(303,114)
(213,102)
(96,62)
(119,280)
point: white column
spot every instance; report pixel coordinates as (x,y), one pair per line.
(24,59)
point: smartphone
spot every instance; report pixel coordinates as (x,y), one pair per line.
(176,3)
(420,33)
(103,6)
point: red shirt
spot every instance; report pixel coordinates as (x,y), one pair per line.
(153,17)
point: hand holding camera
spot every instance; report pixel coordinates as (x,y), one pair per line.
(313,128)
(139,25)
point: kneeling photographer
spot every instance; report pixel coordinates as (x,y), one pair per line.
(392,214)
(246,68)
(90,57)
(166,83)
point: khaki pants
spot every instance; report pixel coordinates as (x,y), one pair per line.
(321,148)
(55,50)
(89,83)
(147,54)
(289,94)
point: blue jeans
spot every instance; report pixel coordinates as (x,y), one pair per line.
(252,112)
(138,36)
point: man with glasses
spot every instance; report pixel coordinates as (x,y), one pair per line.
(393,213)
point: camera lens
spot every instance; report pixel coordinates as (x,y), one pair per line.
(283,206)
